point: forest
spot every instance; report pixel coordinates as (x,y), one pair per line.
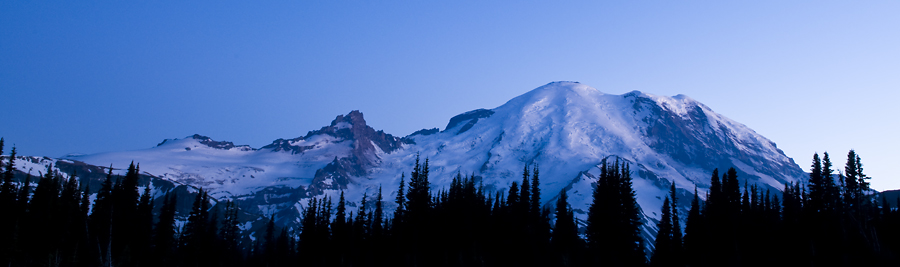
(830,220)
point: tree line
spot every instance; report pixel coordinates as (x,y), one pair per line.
(820,223)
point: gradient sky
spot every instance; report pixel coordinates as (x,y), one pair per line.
(97,76)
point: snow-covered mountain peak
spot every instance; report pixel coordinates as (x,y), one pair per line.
(556,93)
(566,128)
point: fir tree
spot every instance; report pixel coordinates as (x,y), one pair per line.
(512,198)
(663,255)
(194,237)
(164,236)
(677,238)
(535,192)
(400,200)
(525,193)
(693,232)
(613,226)
(378,221)
(565,240)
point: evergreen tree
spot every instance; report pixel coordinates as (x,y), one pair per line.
(101,220)
(831,197)
(613,226)
(677,238)
(525,194)
(164,236)
(850,180)
(565,240)
(8,209)
(418,197)
(125,198)
(229,234)
(378,221)
(143,226)
(535,192)
(694,233)
(269,249)
(664,255)
(194,238)
(399,213)
(8,189)
(512,198)
(41,228)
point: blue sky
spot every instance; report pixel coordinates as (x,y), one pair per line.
(88,77)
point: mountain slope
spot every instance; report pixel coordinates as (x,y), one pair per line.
(565,128)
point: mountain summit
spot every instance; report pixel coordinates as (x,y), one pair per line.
(565,128)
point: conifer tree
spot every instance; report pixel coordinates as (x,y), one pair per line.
(525,193)
(8,208)
(194,237)
(361,228)
(41,230)
(378,221)
(565,240)
(400,200)
(677,237)
(101,220)
(418,197)
(535,192)
(512,198)
(8,189)
(693,232)
(613,226)
(143,226)
(831,198)
(663,254)
(164,236)
(229,234)
(269,246)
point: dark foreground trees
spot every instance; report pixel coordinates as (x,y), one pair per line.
(830,222)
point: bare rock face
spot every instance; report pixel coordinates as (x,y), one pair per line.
(367,146)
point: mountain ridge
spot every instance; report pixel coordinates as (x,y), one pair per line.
(566,128)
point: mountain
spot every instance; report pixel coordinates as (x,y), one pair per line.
(565,128)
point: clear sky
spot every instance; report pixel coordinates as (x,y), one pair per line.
(96,76)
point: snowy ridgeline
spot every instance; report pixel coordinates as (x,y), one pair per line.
(564,128)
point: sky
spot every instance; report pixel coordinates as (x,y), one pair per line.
(97,76)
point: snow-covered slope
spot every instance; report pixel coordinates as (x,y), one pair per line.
(566,128)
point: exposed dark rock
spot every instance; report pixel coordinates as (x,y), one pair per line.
(424,132)
(355,129)
(469,118)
